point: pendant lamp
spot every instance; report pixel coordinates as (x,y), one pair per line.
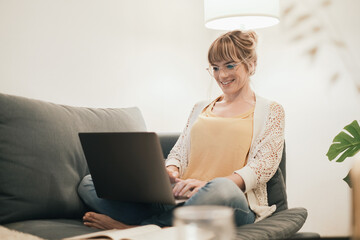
(240,14)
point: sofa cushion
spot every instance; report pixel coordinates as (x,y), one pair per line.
(281,225)
(41,159)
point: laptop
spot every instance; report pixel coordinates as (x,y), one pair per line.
(127,166)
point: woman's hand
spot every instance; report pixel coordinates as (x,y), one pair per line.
(187,188)
(173,173)
(238,180)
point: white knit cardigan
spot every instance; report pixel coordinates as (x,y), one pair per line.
(264,156)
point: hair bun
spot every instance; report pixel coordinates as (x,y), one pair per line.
(253,36)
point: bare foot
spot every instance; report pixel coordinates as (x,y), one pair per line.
(104,222)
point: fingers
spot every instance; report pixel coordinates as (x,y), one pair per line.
(192,193)
(178,186)
(187,187)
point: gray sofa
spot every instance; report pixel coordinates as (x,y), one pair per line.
(42,163)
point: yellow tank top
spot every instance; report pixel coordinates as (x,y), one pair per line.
(218,145)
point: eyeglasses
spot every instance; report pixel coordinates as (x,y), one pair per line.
(228,68)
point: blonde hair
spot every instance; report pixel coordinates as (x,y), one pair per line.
(235,46)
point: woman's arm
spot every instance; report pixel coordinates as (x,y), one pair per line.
(266,153)
(238,180)
(173,172)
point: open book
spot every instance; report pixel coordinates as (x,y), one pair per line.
(147,232)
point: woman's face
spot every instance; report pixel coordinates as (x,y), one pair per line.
(230,76)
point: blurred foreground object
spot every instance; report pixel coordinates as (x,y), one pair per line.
(355,178)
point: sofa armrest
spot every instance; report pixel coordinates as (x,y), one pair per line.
(281,225)
(167,141)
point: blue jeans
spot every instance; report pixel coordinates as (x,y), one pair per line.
(220,191)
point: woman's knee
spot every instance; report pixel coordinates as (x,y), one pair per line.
(222,191)
(85,187)
(221,181)
(224,186)
(229,194)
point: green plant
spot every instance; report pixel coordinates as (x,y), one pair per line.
(345,144)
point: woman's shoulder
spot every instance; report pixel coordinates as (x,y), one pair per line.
(197,109)
(201,105)
(268,103)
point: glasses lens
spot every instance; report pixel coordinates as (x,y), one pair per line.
(214,70)
(230,66)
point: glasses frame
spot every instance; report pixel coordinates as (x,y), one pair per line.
(225,68)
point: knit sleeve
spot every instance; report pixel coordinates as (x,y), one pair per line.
(178,155)
(266,151)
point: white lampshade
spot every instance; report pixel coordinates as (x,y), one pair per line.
(240,14)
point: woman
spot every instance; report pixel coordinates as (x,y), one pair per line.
(228,151)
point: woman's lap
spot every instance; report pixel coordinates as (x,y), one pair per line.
(220,191)
(224,192)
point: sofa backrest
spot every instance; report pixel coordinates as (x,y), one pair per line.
(41,159)
(276,187)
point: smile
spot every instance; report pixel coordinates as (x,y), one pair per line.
(228,82)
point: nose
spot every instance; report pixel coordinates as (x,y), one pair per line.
(223,72)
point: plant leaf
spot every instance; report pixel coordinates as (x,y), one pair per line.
(288,10)
(312,52)
(297,38)
(354,129)
(345,144)
(347,179)
(316,29)
(339,44)
(300,19)
(334,78)
(326,3)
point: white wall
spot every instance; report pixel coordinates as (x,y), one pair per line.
(114,53)
(317,107)
(152,54)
